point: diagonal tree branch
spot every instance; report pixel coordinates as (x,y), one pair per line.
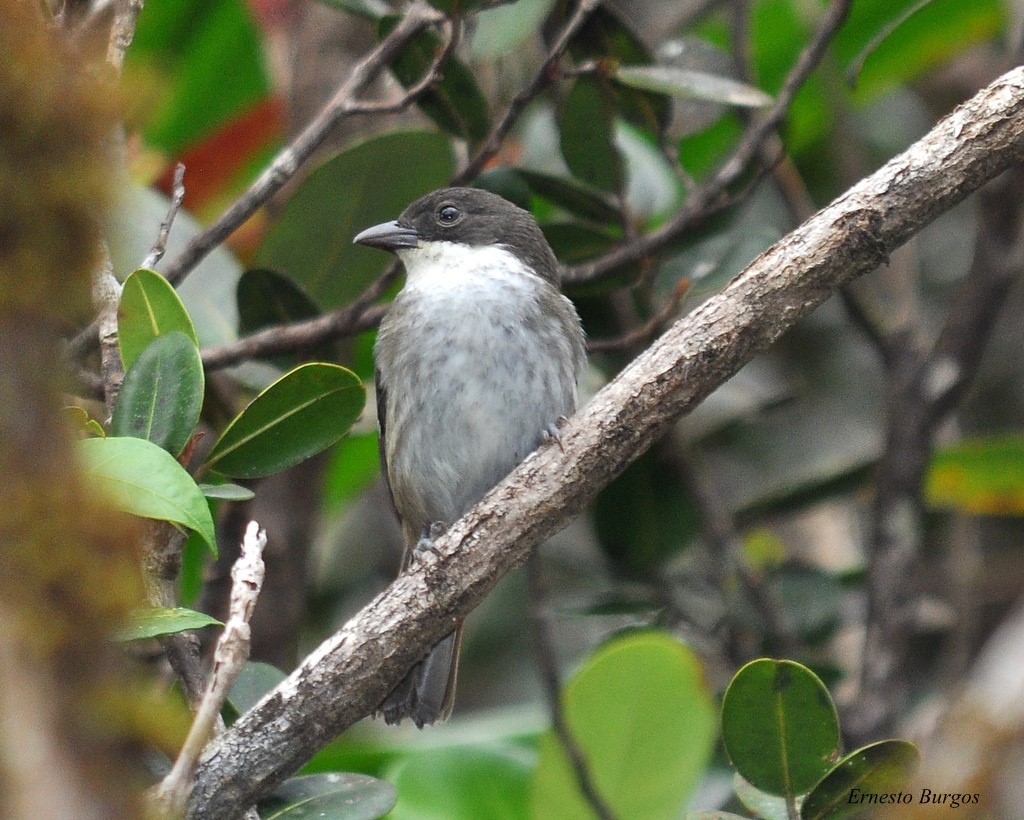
(349,674)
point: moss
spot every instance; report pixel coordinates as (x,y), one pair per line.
(68,566)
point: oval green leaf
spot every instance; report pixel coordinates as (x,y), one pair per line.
(149,307)
(447,783)
(305,411)
(84,423)
(311,242)
(586,127)
(690,84)
(606,38)
(780,726)
(333,796)
(162,394)
(455,102)
(145,480)
(644,717)
(574,196)
(267,298)
(254,680)
(862,779)
(155,621)
(227,492)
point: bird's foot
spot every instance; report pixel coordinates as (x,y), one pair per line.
(431,532)
(553,432)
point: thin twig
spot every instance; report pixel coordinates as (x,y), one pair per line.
(122,32)
(106,295)
(545,653)
(229,657)
(156,253)
(287,163)
(542,79)
(354,318)
(646,331)
(706,194)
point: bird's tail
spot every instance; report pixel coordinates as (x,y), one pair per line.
(427,693)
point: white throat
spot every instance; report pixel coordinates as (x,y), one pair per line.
(438,266)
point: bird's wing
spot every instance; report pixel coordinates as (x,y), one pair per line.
(382,425)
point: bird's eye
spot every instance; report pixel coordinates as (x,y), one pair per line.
(448,215)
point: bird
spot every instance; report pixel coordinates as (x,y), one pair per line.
(478,361)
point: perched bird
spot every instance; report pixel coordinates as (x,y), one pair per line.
(477,360)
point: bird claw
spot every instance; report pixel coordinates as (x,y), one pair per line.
(553,432)
(431,532)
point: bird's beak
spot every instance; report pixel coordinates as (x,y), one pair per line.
(388,236)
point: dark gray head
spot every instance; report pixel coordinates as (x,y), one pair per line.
(467,216)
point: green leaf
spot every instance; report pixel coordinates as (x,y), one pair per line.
(780,726)
(227,492)
(367,9)
(642,713)
(353,465)
(447,783)
(880,769)
(311,242)
(305,411)
(150,623)
(983,476)
(266,298)
(605,37)
(505,29)
(145,480)
(586,126)
(184,50)
(454,102)
(461,6)
(149,307)
(162,394)
(689,84)
(193,562)
(333,796)
(254,680)
(573,195)
(83,422)
(925,40)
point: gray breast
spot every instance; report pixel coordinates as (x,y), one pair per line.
(473,375)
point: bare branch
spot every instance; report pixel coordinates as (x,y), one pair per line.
(287,163)
(156,253)
(122,32)
(361,315)
(229,657)
(106,295)
(351,672)
(541,80)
